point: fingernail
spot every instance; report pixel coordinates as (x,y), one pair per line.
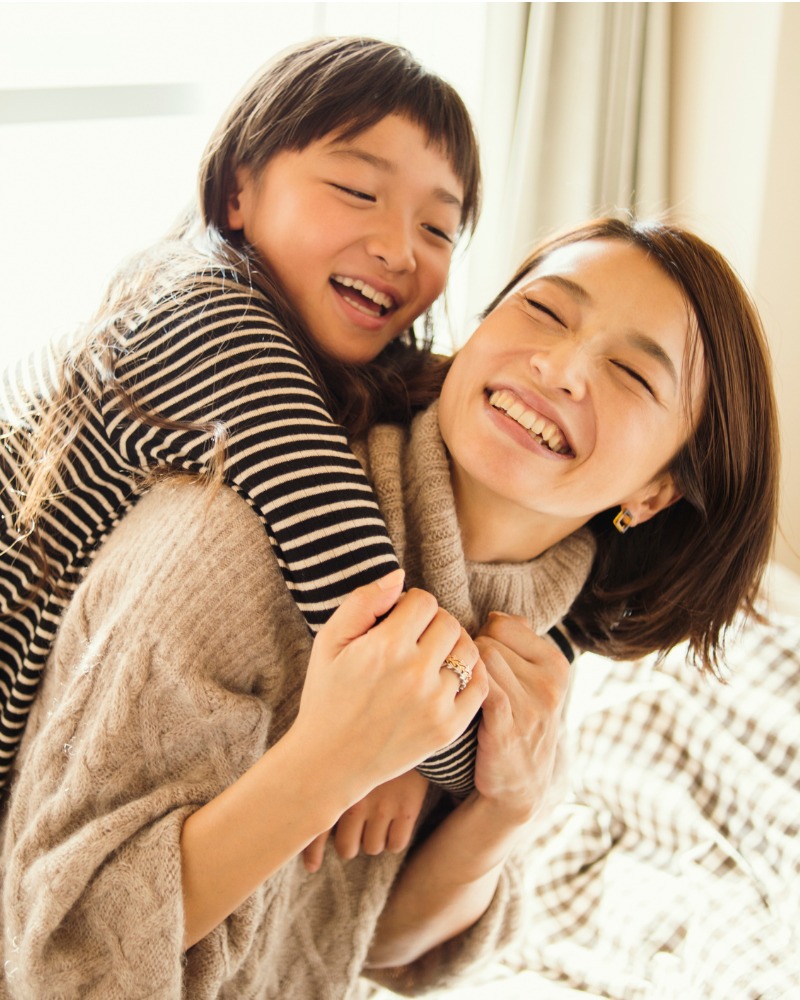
(391,580)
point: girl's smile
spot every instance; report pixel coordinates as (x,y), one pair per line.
(570,399)
(359,231)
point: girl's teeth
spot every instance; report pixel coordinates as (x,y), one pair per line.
(533,422)
(380,298)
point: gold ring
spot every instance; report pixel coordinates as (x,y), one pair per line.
(461,670)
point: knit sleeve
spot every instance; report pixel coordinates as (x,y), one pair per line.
(213,365)
(153,703)
(450,964)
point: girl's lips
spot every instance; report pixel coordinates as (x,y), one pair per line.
(365,295)
(538,426)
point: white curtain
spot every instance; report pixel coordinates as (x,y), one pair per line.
(590,129)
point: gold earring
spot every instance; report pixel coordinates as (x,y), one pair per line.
(623,520)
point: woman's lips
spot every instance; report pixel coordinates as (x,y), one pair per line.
(538,426)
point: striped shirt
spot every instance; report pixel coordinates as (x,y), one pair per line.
(212,355)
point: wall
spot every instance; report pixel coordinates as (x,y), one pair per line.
(735,165)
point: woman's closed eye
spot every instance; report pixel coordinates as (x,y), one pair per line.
(542,308)
(636,376)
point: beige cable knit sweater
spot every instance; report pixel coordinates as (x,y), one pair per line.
(179,662)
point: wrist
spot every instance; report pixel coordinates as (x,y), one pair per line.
(325,782)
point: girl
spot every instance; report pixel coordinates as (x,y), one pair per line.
(620,356)
(331,197)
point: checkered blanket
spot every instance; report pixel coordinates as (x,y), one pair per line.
(672,871)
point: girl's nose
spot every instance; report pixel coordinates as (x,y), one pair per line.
(562,368)
(392,244)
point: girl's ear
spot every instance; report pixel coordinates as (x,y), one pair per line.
(656,496)
(237,200)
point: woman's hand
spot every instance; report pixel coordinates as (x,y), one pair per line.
(448,881)
(376,698)
(517,739)
(375,703)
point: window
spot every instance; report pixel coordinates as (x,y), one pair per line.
(105,109)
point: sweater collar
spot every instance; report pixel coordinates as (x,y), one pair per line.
(411,477)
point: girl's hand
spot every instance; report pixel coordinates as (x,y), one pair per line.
(383,820)
(517,739)
(376,700)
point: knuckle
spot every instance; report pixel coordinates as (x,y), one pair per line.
(423,600)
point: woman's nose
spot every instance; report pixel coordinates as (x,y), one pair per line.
(392,243)
(562,367)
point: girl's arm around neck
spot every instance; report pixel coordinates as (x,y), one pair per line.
(449,881)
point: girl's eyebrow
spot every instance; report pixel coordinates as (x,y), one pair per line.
(389,167)
(636,338)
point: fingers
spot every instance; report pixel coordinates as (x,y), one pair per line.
(529,672)
(360,610)
(312,855)
(512,630)
(460,662)
(349,829)
(498,716)
(437,635)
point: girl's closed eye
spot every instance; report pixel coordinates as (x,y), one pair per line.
(353,192)
(439,233)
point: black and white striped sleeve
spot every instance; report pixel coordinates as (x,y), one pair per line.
(221,362)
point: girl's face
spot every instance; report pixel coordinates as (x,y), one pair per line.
(359,233)
(570,399)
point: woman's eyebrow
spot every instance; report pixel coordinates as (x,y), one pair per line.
(572,288)
(652,348)
(390,167)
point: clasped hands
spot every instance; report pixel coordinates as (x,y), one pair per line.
(378,691)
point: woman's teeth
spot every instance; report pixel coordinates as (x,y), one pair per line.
(536,425)
(382,302)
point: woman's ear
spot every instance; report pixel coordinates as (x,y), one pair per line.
(656,496)
(237,200)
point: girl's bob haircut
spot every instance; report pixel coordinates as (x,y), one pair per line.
(684,574)
(335,85)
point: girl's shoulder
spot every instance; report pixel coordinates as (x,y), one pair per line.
(208,299)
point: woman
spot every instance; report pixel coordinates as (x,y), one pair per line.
(180,756)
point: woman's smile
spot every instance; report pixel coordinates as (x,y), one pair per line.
(539,429)
(569,398)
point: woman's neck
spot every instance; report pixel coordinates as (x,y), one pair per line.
(495,531)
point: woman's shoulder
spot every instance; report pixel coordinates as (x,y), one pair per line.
(182,520)
(189,568)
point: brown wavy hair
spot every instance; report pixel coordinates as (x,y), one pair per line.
(342,86)
(684,574)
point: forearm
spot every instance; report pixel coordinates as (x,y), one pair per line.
(447,884)
(234,843)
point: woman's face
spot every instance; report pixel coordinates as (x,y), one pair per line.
(569,399)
